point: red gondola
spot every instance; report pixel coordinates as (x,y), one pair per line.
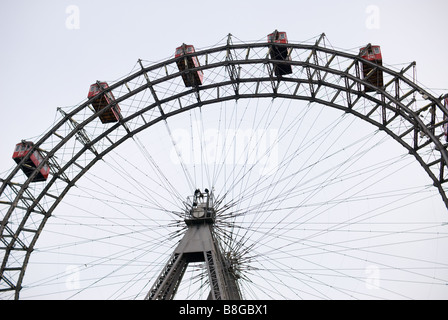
(280,53)
(278,37)
(111,115)
(191,79)
(35,159)
(374,77)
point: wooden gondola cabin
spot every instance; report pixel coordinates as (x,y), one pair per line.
(279,52)
(371,74)
(191,79)
(111,115)
(34,160)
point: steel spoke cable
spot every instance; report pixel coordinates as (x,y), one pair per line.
(273,284)
(256,184)
(283,164)
(247,172)
(82,240)
(355,156)
(204,155)
(382,234)
(302,191)
(142,223)
(292,188)
(288,276)
(350,222)
(285,272)
(371,213)
(116,256)
(102,227)
(109,234)
(161,174)
(338,273)
(244,170)
(317,189)
(140,276)
(275,249)
(119,199)
(147,193)
(405,270)
(187,174)
(137,258)
(325,246)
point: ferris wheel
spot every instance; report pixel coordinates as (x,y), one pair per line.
(263,170)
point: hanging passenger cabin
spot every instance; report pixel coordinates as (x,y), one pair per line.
(371,74)
(111,115)
(191,79)
(34,160)
(279,52)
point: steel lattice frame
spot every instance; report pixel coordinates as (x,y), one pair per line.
(401,108)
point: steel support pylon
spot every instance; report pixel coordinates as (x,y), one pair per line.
(198,245)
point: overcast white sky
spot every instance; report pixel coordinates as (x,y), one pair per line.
(51,51)
(46,64)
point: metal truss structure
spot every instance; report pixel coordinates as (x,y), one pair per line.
(198,245)
(152,94)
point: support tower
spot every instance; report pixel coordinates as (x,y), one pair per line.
(199,244)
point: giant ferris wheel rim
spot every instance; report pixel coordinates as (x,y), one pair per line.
(350,81)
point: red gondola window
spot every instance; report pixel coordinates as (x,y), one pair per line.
(278,37)
(371,53)
(32,162)
(278,52)
(179,52)
(190,79)
(111,115)
(371,74)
